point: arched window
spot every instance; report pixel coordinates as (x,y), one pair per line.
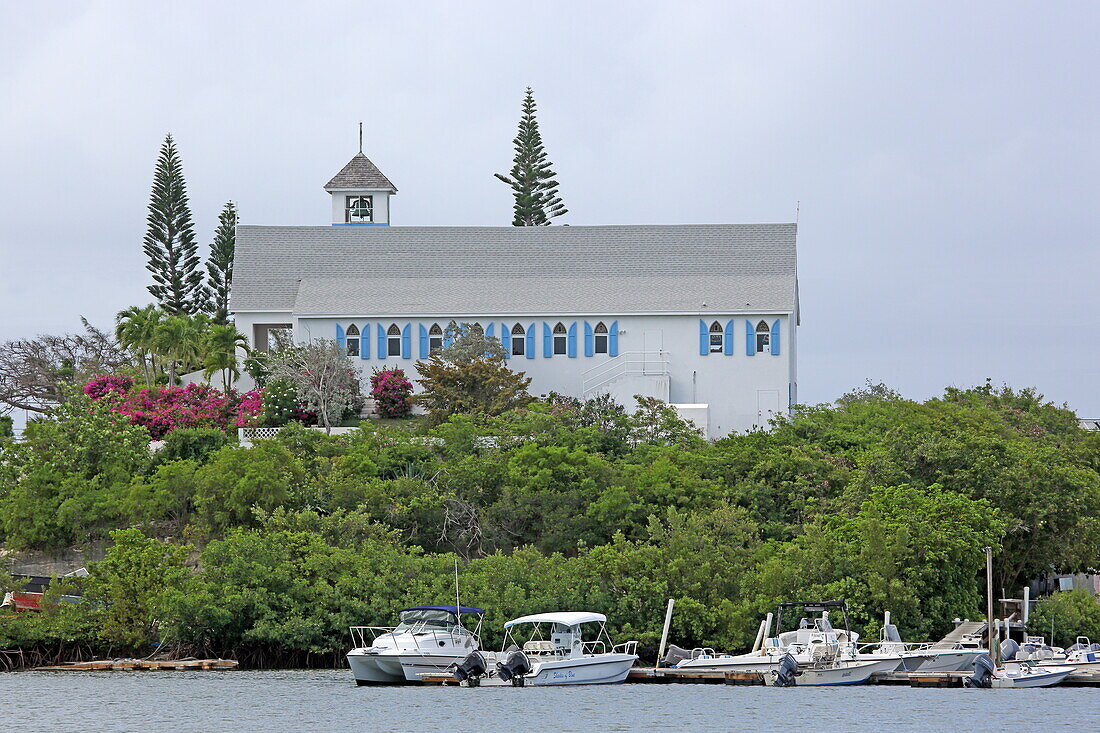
(717,338)
(435,338)
(763,337)
(559,339)
(352,340)
(600,338)
(393,340)
(476,328)
(518,340)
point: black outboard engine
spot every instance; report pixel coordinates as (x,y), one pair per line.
(513,668)
(786,671)
(1009,647)
(983,673)
(471,669)
(674,656)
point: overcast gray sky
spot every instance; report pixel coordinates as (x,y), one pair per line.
(945,154)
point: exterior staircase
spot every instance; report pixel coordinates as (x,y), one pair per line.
(630,373)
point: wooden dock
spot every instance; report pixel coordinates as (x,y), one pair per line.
(666,675)
(144,665)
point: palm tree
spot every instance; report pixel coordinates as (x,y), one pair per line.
(179,339)
(220,353)
(135,329)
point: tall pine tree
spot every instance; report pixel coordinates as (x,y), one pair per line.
(170,239)
(531,178)
(219,268)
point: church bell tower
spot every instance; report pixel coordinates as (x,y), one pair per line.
(360,193)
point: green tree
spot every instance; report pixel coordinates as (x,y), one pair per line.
(219,353)
(533,181)
(237,479)
(179,340)
(136,329)
(470,376)
(321,372)
(219,267)
(170,238)
(131,586)
(1071,614)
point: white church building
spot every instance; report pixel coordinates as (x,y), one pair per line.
(703,316)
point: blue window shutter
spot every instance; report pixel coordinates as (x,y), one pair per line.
(547,340)
(364,343)
(613,339)
(750,340)
(704,338)
(589,348)
(406,341)
(529,346)
(775,337)
(340,335)
(505,341)
(727,346)
(381,342)
(571,341)
(423,342)
(491,331)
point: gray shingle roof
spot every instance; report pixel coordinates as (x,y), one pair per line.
(366,271)
(360,172)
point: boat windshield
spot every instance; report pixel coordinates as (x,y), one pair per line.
(425,619)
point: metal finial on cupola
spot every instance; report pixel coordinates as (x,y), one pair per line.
(360,138)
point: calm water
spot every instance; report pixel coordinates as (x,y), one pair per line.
(323,700)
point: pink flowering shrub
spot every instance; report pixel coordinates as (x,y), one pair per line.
(250,410)
(163,409)
(104,384)
(392,392)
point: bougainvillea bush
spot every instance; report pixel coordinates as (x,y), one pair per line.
(163,409)
(104,384)
(392,392)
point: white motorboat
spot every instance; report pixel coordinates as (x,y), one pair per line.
(1023,674)
(1083,656)
(922,656)
(814,644)
(1014,674)
(429,639)
(564,658)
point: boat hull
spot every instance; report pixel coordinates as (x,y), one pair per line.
(1036,677)
(845,673)
(603,669)
(765,664)
(949,660)
(376,669)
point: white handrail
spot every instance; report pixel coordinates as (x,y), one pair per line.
(649,363)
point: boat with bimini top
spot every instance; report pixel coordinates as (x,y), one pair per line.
(554,652)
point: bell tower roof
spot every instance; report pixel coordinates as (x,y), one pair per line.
(360,174)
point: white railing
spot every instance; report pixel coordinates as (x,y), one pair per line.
(630,363)
(247,436)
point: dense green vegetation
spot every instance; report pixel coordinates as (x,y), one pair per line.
(269,553)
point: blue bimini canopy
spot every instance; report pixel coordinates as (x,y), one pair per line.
(449,609)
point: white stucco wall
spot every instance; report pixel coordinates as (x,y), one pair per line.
(381,204)
(738,390)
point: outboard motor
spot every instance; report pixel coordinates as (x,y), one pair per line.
(514,667)
(1009,647)
(983,673)
(675,655)
(786,671)
(471,669)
